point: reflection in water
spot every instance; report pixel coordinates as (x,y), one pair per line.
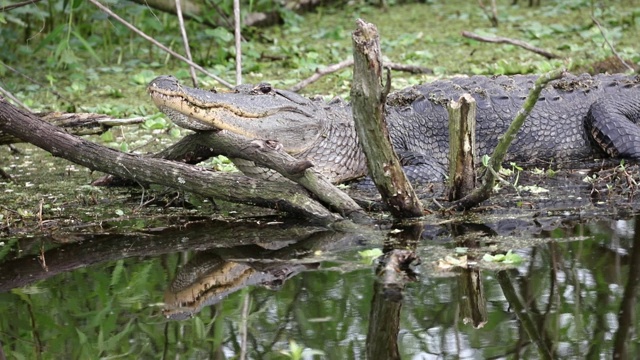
(256,287)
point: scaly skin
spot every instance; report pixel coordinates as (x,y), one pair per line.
(575,119)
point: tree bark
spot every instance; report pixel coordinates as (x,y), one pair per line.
(462,147)
(276,195)
(368,101)
(270,155)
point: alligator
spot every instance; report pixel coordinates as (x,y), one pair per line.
(208,278)
(576,118)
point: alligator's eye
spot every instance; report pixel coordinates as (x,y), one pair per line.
(263,88)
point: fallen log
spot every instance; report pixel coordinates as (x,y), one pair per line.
(229,187)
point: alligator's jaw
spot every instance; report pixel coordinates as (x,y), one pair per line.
(271,116)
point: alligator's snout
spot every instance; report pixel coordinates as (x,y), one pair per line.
(165,82)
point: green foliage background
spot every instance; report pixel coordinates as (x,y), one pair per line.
(77,50)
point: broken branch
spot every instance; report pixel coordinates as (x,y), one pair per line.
(504,40)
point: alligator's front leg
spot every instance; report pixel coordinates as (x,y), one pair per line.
(420,168)
(613,122)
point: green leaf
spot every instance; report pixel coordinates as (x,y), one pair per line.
(116,274)
(461,250)
(485,160)
(87,47)
(219,33)
(107,136)
(199,328)
(81,336)
(143,77)
(368,256)
(53,37)
(508,258)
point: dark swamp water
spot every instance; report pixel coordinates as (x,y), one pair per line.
(262,288)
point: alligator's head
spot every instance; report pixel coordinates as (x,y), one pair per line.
(259,112)
(207,279)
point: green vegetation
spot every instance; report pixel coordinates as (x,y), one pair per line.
(74,50)
(508,258)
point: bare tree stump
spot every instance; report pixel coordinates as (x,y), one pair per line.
(368,101)
(462,147)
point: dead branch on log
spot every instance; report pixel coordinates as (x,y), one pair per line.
(271,156)
(504,40)
(368,115)
(613,50)
(349,62)
(200,146)
(275,195)
(77,124)
(462,146)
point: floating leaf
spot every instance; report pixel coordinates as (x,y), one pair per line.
(508,258)
(368,256)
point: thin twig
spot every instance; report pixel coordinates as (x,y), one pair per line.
(346,63)
(491,14)
(185,40)
(320,73)
(238,38)
(156,43)
(504,40)
(21,4)
(244,323)
(14,99)
(413,69)
(49,88)
(613,50)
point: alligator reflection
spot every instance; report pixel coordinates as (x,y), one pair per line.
(240,240)
(570,298)
(211,276)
